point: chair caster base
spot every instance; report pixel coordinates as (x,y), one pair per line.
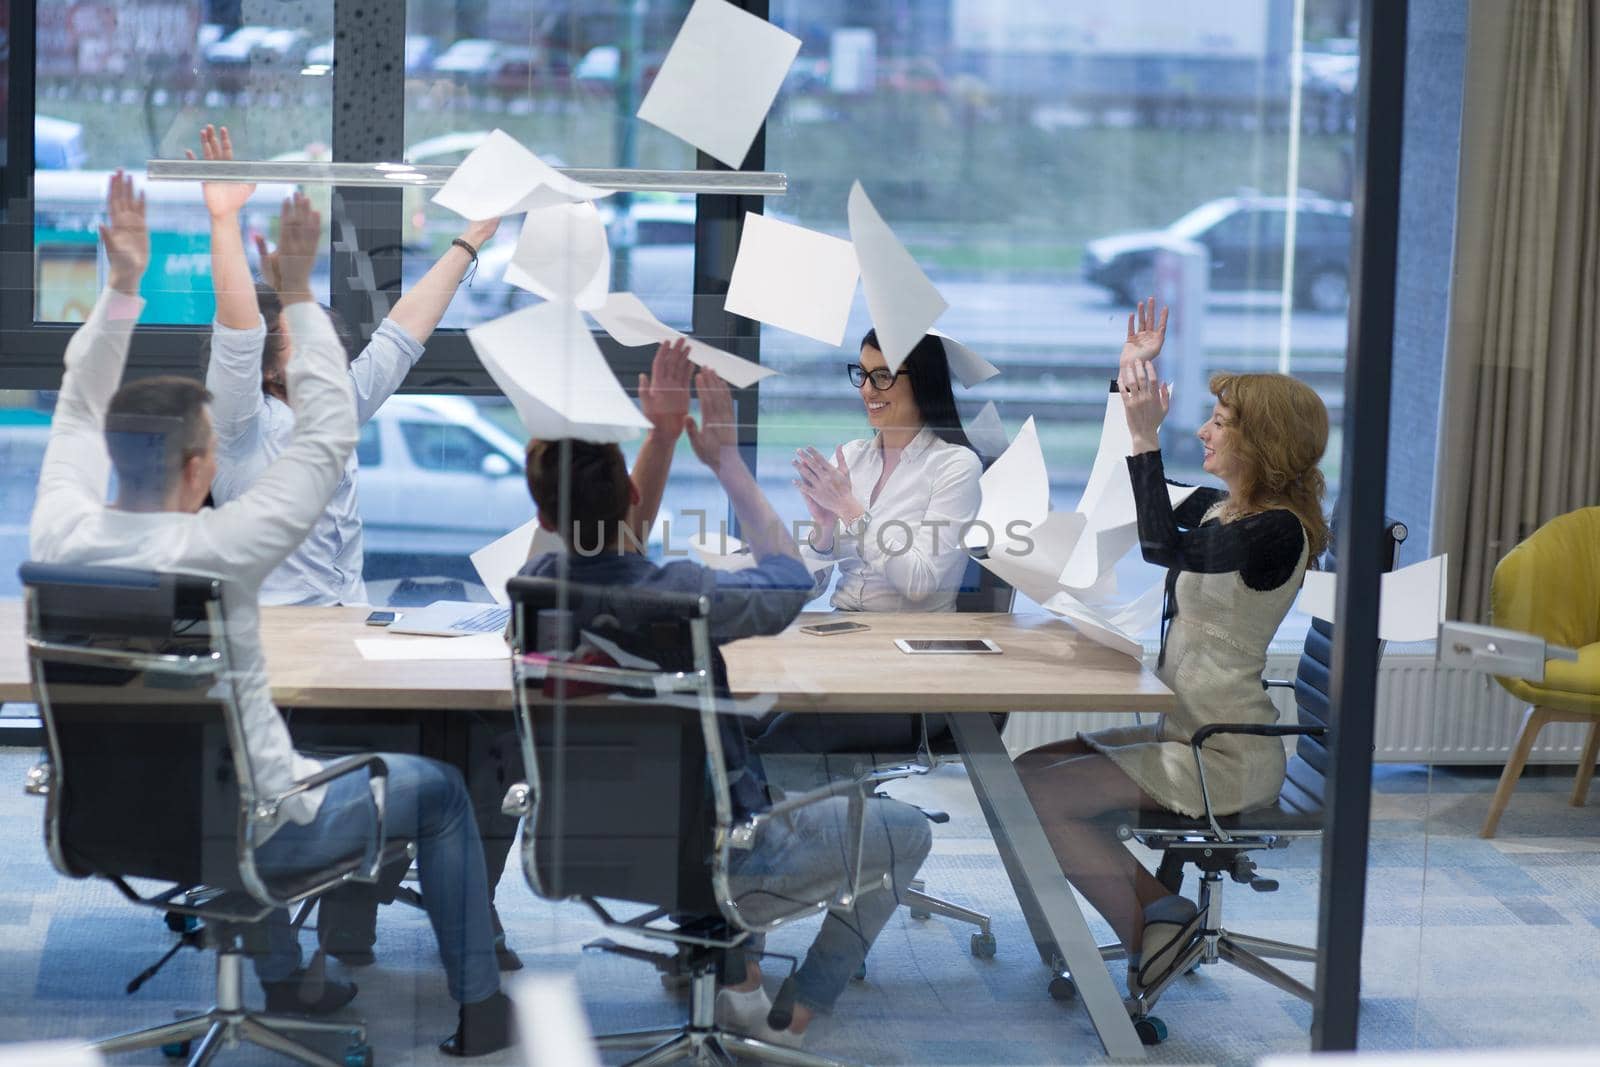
(1062,988)
(177,1050)
(358,1056)
(1151,1031)
(983,946)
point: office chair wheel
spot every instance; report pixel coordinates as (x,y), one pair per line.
(359,1055)
(1061,988)
(177,1050)
(983,946)
(179,923)
(861,972)
(1151,1031)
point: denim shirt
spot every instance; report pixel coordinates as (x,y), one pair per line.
(752,602)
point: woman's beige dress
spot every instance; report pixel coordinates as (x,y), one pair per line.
(1216,651)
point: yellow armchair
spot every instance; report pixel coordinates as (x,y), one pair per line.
(1550,585)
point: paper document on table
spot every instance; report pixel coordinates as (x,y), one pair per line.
(629,322)
(1032,566)
(965,364)
(1015,489)
(501,177)
(562,254)
(793,278)
(499,561)
(552,1026)
(1115,626)
(546,362)
(1108,505)
(1411,600)
(987,433)
(724,552)
(719,79)
(903,302)
(619,655)
(469,647)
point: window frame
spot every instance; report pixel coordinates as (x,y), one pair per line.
(368,126)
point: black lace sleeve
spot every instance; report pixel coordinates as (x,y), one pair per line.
(1264,548)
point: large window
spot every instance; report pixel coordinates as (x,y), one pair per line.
(1046,170)
(122,82)
(565,83)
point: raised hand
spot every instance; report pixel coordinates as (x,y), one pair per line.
(664,392)
(1146,335)
(1145,402)
(826,486)
(478,234)
(299,232)
(125,236)
(270,271)
(716,439)
(222,198)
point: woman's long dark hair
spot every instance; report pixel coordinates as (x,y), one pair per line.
(929,371)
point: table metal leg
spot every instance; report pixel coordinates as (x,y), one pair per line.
(1047,901)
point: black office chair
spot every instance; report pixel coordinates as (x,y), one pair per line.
(1220,845)
(148,777)
(628,798)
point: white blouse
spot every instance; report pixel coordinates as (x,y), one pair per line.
(910,557)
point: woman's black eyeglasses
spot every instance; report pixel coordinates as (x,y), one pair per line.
(882,378)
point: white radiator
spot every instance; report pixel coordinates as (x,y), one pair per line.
(1425,715)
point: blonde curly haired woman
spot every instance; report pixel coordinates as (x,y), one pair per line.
(1235,560)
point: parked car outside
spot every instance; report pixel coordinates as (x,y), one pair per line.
(437,479)
(1245,238)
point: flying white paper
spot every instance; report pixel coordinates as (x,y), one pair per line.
(562,254)
(793,278)
(719,79)
(501,177)
(1015,488)
(399,647)
(1411,600)
(1107,503)
(551,1025)
(625,317)
(966,364)
(499,561)
(903,302)
(546,362)
(1115,627)
(50,1054)
(987,433)
(1032,565)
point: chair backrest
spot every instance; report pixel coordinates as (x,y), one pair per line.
(1304,782)
(1550,583)
(629,787)
(982,590)
(126,667)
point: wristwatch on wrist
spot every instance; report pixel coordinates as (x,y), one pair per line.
(857,526)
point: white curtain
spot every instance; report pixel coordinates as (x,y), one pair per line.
(1519,438)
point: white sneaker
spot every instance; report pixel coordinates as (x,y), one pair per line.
(746,1013)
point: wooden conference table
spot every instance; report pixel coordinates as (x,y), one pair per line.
(1044,666)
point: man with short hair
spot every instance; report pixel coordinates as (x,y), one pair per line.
(157,435)
(588,485)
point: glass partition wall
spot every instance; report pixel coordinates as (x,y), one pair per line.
(1046,167)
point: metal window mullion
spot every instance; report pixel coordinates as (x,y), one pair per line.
(16,231)
(1352,694)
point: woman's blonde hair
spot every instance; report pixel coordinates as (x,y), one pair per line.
(1280,431)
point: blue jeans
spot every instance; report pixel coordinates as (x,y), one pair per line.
(427,803)
(793,855)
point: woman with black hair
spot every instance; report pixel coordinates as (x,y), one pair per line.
(891,507)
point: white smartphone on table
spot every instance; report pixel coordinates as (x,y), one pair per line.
(941,646)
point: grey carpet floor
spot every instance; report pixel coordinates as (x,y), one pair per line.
(1468,943)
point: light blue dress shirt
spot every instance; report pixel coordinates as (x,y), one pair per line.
(253,429)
